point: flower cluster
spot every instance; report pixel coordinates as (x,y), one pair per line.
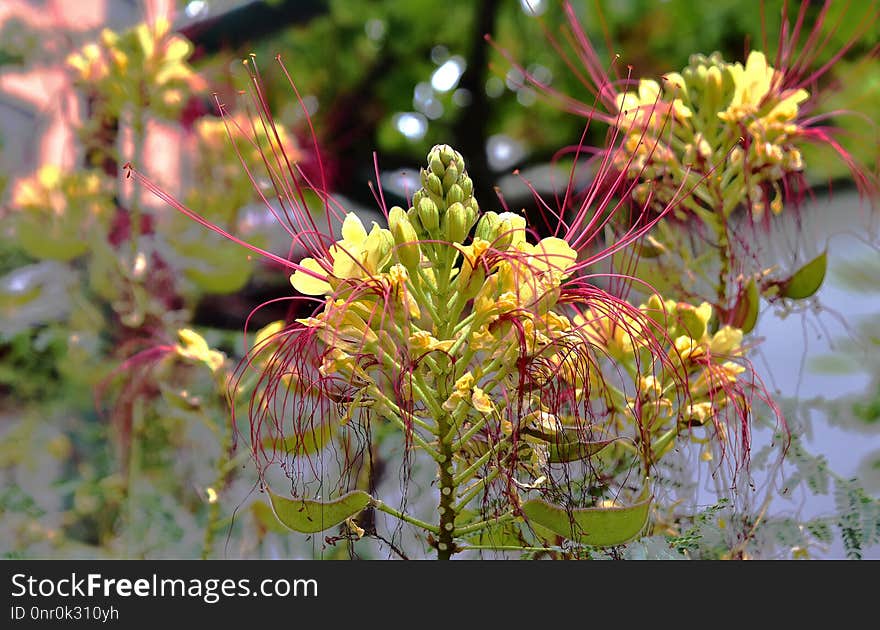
(710,362)
(723,132)
(149,58)
(485,348)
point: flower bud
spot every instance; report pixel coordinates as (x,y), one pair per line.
(436,165)
(472,211)
(416,223)
(488,226)
(408,250)
(512,231)
(448,155)
(429,215)
(455,224)
(455,194)
(378,248)
(467,185)
(432,183)
(714,88)
(450,177)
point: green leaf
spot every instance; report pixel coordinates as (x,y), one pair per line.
(806,280)
(309,517)
(600,527)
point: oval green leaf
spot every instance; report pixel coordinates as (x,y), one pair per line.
(308,517)
(599,527)
(806,281)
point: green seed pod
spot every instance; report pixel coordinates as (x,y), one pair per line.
(455,224)
(429,215)
(406,239)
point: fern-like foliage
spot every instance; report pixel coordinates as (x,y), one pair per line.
(858,517)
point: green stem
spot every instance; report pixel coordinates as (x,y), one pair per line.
(475,527)
(475,489)
(137,124)
(470,470)
(419,440)
(134,470)
(448,491)
(383,507)
(223,469)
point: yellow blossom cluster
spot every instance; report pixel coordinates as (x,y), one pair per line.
(727,131)
(147,62)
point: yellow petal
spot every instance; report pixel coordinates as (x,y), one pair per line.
(353,230)
(555,253)
(306,283)
(726,340)
(481,401)
(267,332)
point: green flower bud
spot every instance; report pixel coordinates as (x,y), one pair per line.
(449,155)
(450,177)
(512,230)
(436,165)
(378,246)
(408,250)
(472,209)
(455,223)
(470,279)
(414,220)
(431,182)
(488,226)
(429,215)
(467,186)
(714,88)
(455,194)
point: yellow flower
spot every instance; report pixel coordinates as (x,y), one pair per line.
(726,340)
(699,412)
(356,255)
(481,401)
(195,348)
(423,341)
